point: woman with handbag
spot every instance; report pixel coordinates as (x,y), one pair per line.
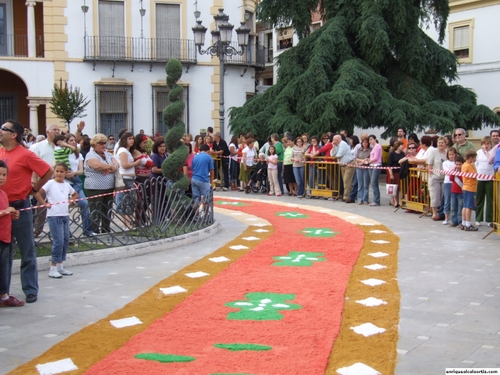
(100,167)
(392,176)
(127,171)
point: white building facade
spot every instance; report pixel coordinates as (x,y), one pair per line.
(115,51)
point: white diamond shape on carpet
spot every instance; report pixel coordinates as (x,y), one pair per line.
(238,247)
(371,302)
(380,241)
(195,275)
(261,230)
(56,367)
(252,238)
(378,254)
(368,329)
(219,259)
(378,231)
(173,290)
(126,322)
(373,282)
(357,369)
(260,225)
(375,267)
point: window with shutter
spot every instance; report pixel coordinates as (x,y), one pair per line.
(114,102)
(168,31)
(461,39)
(112,29)
(160,101)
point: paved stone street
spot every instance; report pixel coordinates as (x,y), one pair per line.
(449,283)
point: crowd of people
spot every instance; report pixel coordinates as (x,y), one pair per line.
(69,166)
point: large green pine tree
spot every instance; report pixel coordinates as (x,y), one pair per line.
(370,65)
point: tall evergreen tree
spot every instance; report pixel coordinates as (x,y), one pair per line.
(370,65)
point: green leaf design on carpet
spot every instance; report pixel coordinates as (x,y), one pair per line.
(238,347)
(225,203)
(292,215)
(299,259)
(164,358)
(319,232)
(262,306)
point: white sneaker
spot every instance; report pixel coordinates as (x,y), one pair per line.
(445,222)
(477,224)
(64,272)
(224,189)
(55,274)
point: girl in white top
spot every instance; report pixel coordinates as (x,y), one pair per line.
(58,191)
(448,165)
(247,162)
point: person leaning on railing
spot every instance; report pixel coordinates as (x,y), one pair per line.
(100,167)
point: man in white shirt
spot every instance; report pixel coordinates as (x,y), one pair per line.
(342,153)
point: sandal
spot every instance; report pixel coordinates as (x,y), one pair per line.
(472,228)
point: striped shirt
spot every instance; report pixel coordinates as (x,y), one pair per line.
(61,155)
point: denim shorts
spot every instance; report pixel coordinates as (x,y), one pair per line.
(469,199)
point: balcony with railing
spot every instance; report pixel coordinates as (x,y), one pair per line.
(254,56)
(114,48)
(15,45)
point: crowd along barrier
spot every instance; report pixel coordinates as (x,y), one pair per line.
(322,178)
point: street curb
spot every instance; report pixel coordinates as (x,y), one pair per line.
(115,253)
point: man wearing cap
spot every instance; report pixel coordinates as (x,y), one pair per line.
(23,163)
(220,149)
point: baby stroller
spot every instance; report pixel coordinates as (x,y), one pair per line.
(258,180)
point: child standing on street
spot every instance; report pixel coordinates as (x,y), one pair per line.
(58,191)
(457,199)
(272,172)
(469,190)
(6,215)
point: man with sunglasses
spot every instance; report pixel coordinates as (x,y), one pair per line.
(462,145)
(23,163)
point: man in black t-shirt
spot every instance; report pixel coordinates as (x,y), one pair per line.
(220,149)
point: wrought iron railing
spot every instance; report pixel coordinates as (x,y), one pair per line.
(254,56)
(16,45)
(115,48)
(151,212)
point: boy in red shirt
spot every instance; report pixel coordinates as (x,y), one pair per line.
(457,199)
(6,215)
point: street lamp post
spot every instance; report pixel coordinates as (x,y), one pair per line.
(221,40)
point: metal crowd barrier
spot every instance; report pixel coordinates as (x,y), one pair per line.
(218,181)
(496,206)
(152,212)
(415,191)
(322,179)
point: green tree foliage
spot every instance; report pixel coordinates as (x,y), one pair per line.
(370,65)
(68,103)
(178,151)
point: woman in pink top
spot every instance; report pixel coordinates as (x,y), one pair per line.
(375,161)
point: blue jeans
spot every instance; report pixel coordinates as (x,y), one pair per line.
(200,189)
(5,262)
(280,176)
(298,172)
(374,175)
(363,176)
(22,231)
(234,170)
(446,198)
(83,205)
(457,203)
(312,175)
(354,189)
(59,231)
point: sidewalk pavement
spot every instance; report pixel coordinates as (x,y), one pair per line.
(450,290)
